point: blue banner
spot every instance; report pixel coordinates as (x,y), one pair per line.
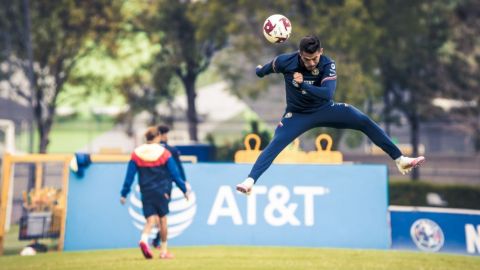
(436,229)
(341,206)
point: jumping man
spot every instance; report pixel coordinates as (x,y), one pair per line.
(310,82)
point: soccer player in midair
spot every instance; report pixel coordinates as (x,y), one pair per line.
(310,82)
(155,167)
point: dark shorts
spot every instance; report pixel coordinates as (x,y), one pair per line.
(155,203)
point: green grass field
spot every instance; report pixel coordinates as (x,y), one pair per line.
(220,257)
(13,246)
(68,136)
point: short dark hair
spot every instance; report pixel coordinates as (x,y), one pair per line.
(310,44)
(163,129)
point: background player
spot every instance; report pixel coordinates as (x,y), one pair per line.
(156,168)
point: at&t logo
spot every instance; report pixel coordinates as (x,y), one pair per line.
(279,211)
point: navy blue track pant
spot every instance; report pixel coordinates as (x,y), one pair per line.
(334,115)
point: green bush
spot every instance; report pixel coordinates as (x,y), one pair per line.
(226,152)
(415,194)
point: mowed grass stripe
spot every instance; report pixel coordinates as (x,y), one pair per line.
(220,257)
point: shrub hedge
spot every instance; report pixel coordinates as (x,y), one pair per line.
(414,193)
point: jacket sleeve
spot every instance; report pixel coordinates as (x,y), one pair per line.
(325,91)
(275,66)
(176,156)
(173,168)
(129,177)
(328,83)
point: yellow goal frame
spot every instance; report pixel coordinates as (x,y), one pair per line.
(39,159)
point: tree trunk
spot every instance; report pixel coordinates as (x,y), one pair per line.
(168,119)
(387,111)
(189,84)
(29,68)
(129,123)
(44,132)
(44,119)
(154,117)
(44,127)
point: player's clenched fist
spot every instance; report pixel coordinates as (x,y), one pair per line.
(298,77)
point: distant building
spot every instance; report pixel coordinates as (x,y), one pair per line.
(16,112)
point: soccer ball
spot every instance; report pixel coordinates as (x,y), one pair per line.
(277,28)
(28,251)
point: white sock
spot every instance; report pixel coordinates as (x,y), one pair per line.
(144,238)
(249,181)
(163,247)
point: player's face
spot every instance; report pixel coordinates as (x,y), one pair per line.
(310,60)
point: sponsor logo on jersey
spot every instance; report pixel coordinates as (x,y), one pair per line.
(333,72)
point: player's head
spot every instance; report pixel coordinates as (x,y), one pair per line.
(163,130)
(152,135)
(310,51)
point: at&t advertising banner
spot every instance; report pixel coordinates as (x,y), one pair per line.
(291,205)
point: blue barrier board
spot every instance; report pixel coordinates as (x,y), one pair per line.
(436,229)
(341,206)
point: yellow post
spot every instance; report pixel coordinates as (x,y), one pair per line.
(6,171)
(38,175)
(65,174)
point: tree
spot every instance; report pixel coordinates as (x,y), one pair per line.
(412,34)
(129,71)
(144,94)
(460,60)
(190,33)
(44,40)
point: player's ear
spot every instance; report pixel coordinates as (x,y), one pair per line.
(321,51)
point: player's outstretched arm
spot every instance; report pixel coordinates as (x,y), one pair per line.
(271,67)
